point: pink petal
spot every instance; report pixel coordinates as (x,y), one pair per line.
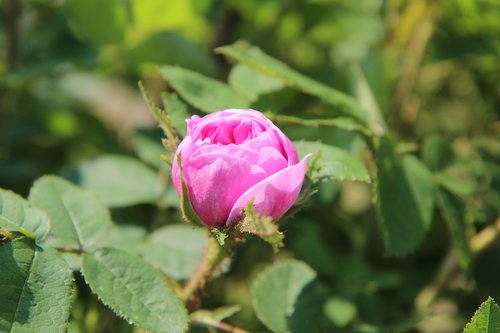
(215,181)
(271,160)
(274,195)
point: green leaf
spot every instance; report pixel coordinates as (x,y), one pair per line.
(285,297)
(134,290)
(176,250)
(202,92)
(78,218)
(330,162)
(453,213)
(405,199)
(255,58)
(36,288)
(118,181)
(486,319)
(16,214)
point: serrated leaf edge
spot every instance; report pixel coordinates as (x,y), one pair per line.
(118,312)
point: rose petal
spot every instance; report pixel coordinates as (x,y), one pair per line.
(275,138)
(215,181)
(274,195)
(271,160)
(197,127)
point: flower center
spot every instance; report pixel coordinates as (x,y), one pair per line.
(234,131)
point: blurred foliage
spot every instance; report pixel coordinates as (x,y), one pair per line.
(69,105)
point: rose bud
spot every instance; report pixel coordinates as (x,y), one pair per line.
(232,156)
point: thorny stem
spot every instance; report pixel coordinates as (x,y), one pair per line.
(477,244)
(213,256)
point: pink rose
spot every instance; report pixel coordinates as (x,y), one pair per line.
(232,156)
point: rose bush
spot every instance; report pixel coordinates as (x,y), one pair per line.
(231,156)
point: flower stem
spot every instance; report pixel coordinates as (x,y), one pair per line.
(213,256)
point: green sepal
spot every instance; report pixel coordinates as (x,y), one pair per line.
(261,226)
(220,235)
(187,210)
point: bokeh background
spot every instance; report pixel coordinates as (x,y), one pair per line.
(68,95)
